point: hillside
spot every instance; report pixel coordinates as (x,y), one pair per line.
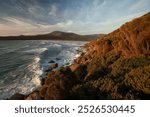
(117,66)
(56,35)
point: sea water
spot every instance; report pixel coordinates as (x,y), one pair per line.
(23,62)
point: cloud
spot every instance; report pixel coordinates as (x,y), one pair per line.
(53,11)
(98,2)
(80,16)
(139,5)
(19,26)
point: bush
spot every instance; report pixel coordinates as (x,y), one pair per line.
(125,65)
(139,79)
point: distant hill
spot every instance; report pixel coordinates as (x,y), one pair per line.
(56,35)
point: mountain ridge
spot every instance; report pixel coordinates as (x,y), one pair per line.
(55,35)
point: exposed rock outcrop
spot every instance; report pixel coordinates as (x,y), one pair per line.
(54,65)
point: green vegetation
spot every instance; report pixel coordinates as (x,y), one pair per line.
(128,79)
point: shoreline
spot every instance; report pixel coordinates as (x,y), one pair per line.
(45,40)
(42,79)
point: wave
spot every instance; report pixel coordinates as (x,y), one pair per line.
(25,80)
(37,50)
(31,61)
(56,45)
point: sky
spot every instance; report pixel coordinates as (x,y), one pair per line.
(30,17)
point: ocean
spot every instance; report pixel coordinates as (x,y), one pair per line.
(23,62)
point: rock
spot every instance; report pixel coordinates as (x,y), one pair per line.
(58,59)
(73,67)
(34,96)
(51,61)
(48,70)
(78,60)
(67,63)
(58,84)
(82,59)
(43,91)
(54,65)
(82,54)
(17,96)
(80,71)
(79,51)
(42,81)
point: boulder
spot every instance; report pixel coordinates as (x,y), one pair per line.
(80,71)
(51,61)
(73,67)
(67,64)
(34,96)
(54,65)
(48,70)
(58,59)
(17,96)
(77,60)
(42,81)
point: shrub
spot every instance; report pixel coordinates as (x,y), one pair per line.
(123,66)
(139,79)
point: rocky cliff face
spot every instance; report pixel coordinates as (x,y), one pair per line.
(131,39)
(116,66)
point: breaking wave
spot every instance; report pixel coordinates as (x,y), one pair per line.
(23,69)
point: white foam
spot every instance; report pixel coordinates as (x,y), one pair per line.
(77,55)
(57,45)
(24,83)
(38,50)
(32,81)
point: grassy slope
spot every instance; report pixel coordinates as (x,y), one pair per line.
(116,66)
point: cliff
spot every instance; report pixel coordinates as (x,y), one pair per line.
(117,66)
